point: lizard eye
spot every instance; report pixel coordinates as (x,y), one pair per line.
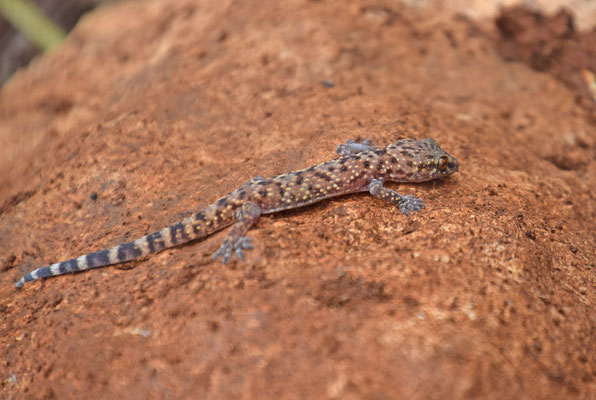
(442,163)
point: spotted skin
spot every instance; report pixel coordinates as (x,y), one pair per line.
(361,167)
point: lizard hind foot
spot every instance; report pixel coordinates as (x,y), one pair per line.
(228,247)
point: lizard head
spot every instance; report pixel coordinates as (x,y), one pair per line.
(419,161)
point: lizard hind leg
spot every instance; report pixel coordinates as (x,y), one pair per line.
(246,217)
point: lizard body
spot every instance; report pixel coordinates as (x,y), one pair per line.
(360,168)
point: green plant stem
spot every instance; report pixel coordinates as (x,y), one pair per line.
(30,20)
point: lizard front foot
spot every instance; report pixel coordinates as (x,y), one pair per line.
(410,203)
(353,147)
(227,248)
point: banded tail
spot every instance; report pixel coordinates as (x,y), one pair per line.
(197,226)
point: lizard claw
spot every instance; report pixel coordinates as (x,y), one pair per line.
(410,203)
(228,247)
(242,244)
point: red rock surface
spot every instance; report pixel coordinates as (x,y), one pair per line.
(153,109)
(552,44)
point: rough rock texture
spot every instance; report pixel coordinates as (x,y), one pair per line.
(153,109)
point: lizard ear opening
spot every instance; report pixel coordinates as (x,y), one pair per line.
(442,163)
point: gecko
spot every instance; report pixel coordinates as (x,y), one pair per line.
(360,167)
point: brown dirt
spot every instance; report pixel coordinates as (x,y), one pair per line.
(152,110)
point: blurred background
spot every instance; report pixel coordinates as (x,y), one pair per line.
(49,20)
(16,47)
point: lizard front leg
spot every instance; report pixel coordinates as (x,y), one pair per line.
(353,147)
(405,203)
(246,217)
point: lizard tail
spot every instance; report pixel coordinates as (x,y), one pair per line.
(195,227)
